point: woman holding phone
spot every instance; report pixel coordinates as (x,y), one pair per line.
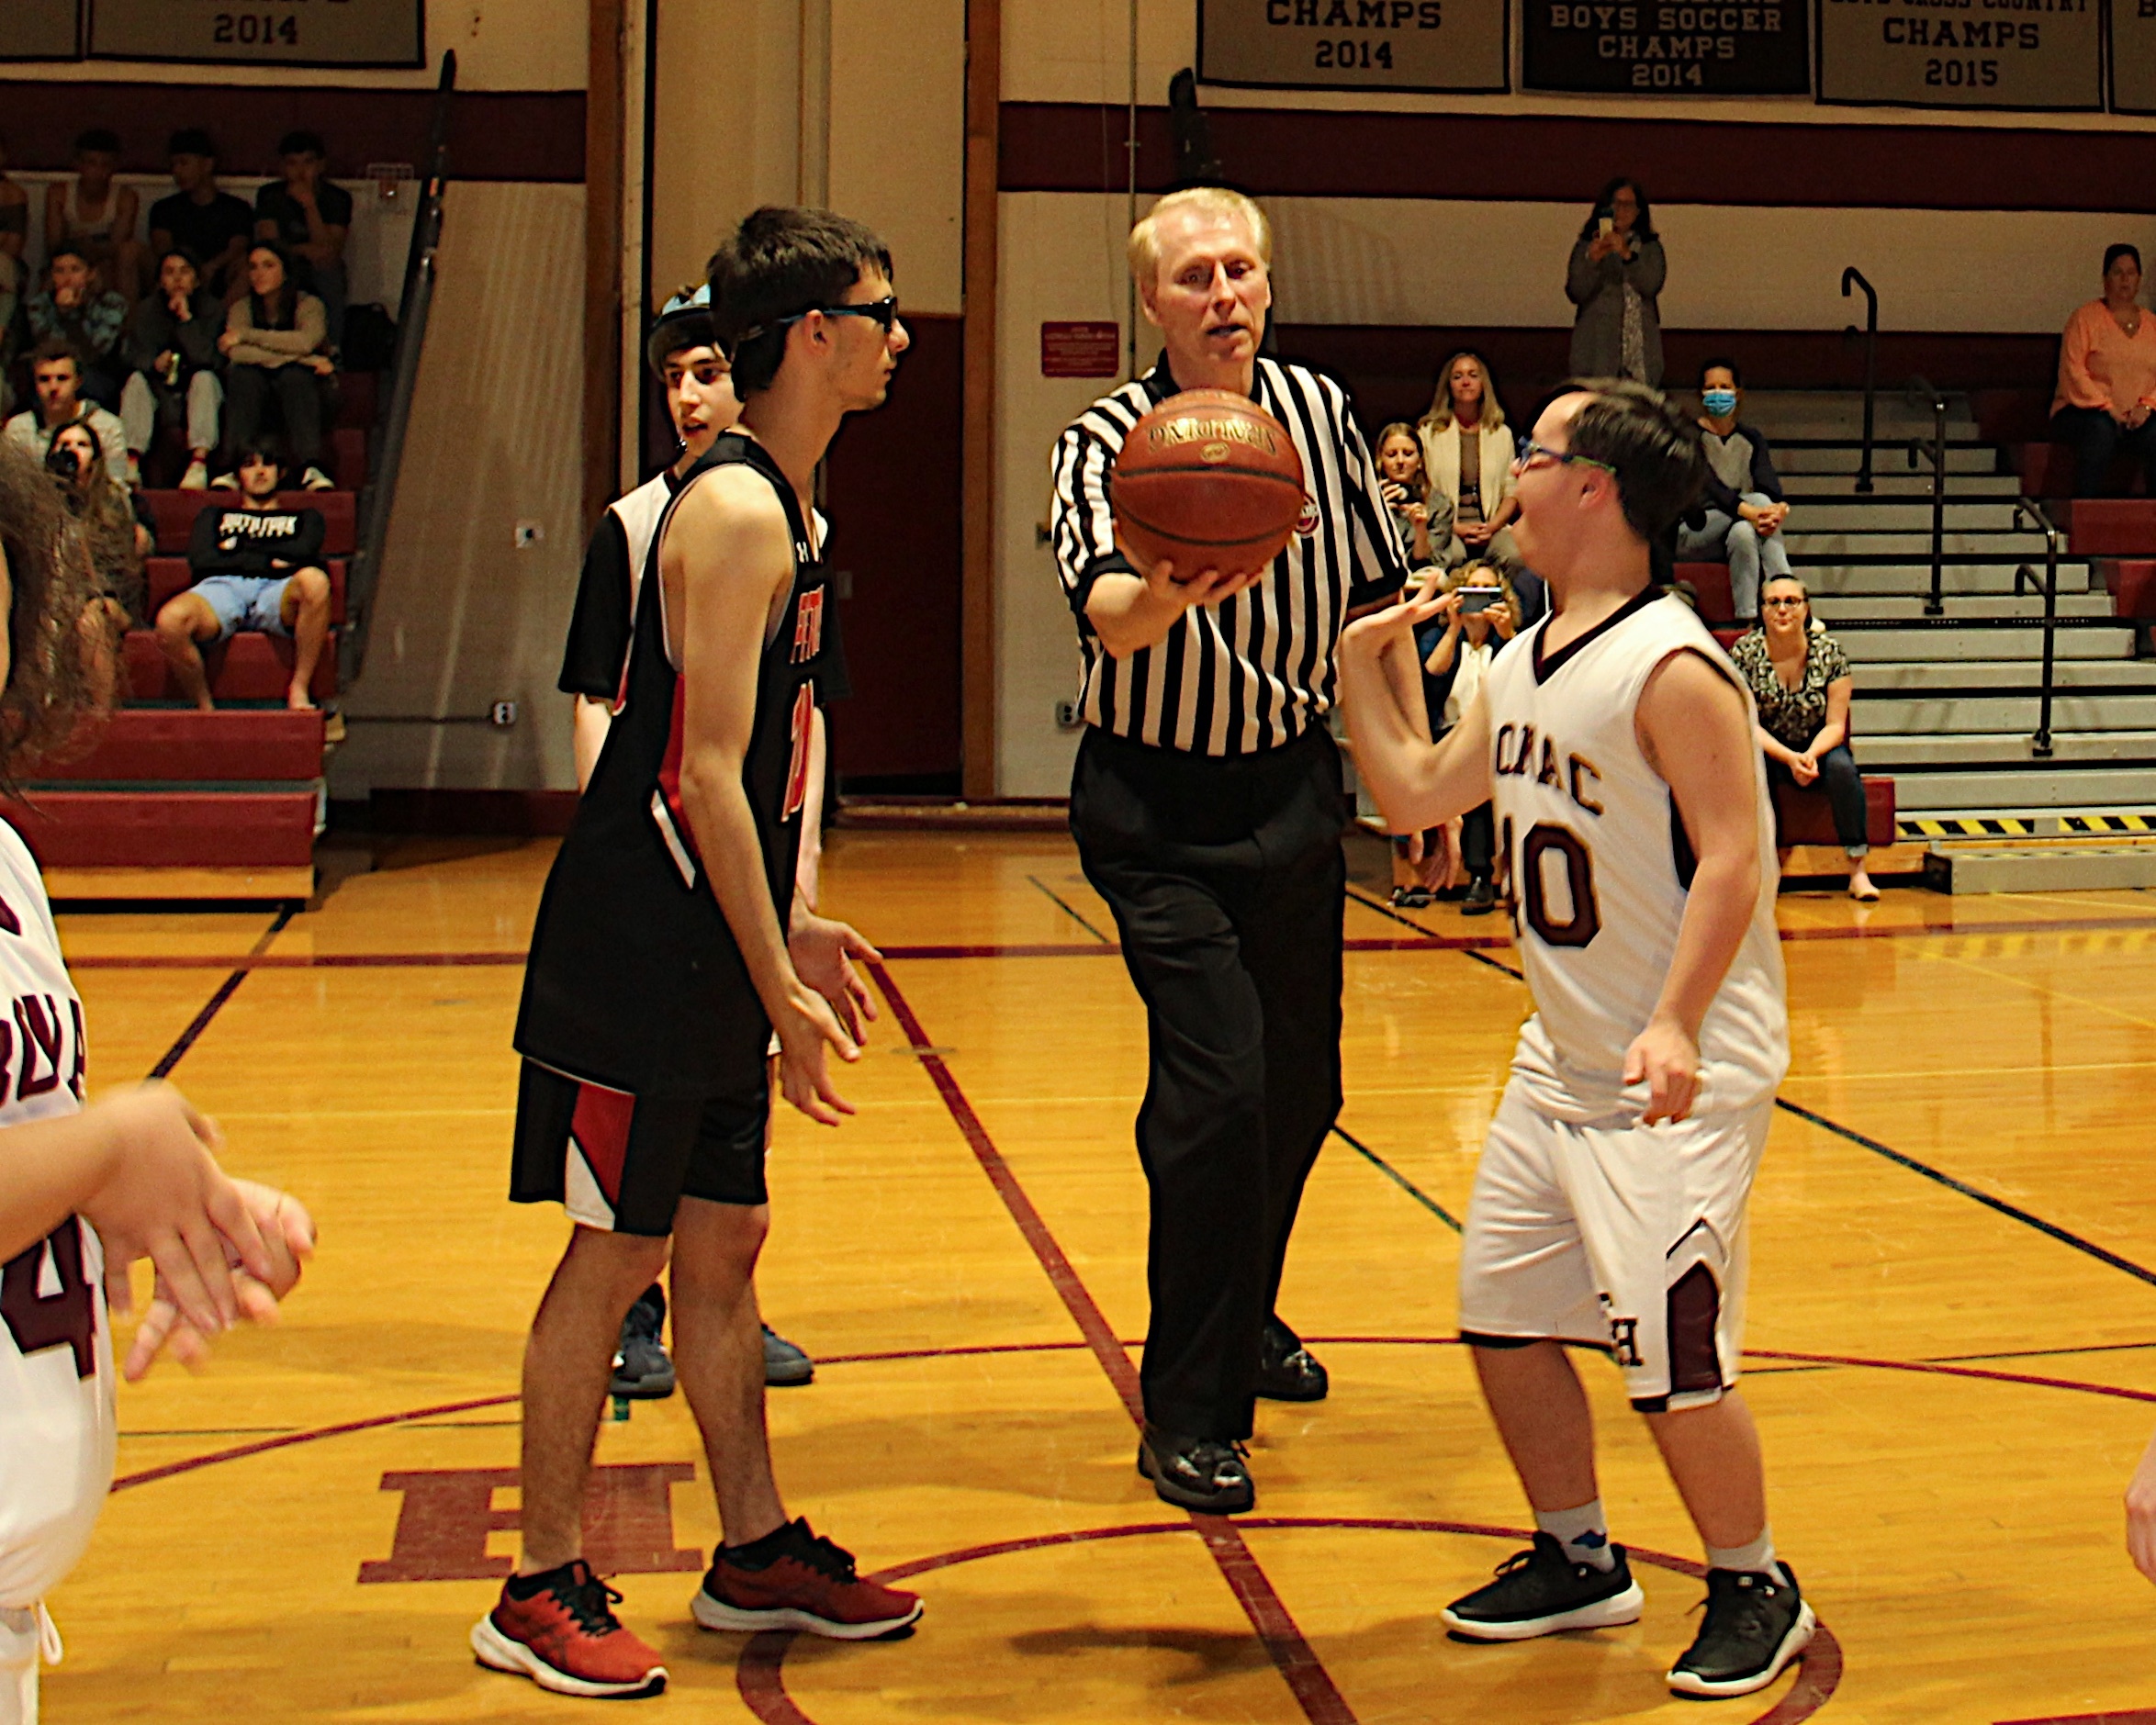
(1616,277)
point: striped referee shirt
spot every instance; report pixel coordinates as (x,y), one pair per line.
(1256,670)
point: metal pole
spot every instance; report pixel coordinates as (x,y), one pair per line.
(1853,276)
(2040,744)
(1937,605)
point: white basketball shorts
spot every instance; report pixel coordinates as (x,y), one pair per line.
(1627,1238)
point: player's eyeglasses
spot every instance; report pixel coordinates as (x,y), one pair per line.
(1531,453)
(884,311)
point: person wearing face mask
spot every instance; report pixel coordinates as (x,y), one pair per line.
(1745,508)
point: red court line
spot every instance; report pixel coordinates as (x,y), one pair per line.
(1322,1702)
(1934,1369)
(290,1438)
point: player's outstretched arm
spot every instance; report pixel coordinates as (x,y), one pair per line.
(731,552)
(1696,732)
(138,1165)
(1417,785)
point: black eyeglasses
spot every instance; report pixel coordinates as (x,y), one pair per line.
(884,311)
(1532,455)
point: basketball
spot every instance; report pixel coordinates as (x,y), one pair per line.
(1209,480)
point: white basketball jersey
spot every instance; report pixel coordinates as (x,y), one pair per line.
(56,1380)
(1598,867)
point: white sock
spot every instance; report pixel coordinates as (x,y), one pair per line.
(1583,1532)
(1756,1558)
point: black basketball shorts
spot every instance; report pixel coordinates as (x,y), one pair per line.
(623,1163)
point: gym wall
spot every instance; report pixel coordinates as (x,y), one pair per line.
(1406,224)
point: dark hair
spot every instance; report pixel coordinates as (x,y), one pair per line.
(261,446)
(186,255)
(190,140)
(102,139)
(68,249)
(777,265)
(302,142)
(1644,229)
(2112,253)
(285,314)
(1652,450)
(1717,363)
(62,642)
(52,349)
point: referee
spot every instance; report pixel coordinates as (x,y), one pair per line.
(1208,806)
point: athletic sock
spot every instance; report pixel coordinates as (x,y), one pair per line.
(1756,1558)
(762,1554)
(1583,1532)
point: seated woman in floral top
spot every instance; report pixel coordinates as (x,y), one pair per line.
(1800,683)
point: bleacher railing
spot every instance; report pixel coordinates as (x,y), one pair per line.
(1853,276)
(1922,391)
(2031,510)
(363,575)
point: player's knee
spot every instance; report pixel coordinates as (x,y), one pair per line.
(176,620)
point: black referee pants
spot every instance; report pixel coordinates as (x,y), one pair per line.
(1228,884)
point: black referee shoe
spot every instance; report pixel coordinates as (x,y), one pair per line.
(1286,1371)
(1755,1626)
(1207,1474)
(1541,1591)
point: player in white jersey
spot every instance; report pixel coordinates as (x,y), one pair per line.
(86,1190)
(1616,741)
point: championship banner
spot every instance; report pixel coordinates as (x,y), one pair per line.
(2045,55)
(1668,46)
(2133,56)
(1456,46)
(264,32)
(39,30)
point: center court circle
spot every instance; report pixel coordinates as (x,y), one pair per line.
(760,1676)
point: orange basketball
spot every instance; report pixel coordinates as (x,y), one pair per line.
(1209,480)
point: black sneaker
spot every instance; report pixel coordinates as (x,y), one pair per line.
(1413,898)
(1755,1626)
(1201,1473)
(783,1362)
(1482,897)
(1286,1371)
(642,1371)
(1541,1591)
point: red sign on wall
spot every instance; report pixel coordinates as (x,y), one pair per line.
(1084,348)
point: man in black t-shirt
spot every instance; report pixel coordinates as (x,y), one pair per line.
(257,567)
(310,217)
(213,226)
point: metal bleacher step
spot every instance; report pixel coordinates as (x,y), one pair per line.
(2025,785)
(2058,864)
(1971,581)
(1903,753)
(2081,639)
(1885,722)
(1842,609)
(1845,456)
(1900,514)
(1896,488)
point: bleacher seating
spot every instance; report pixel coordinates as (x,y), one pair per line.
(174,803)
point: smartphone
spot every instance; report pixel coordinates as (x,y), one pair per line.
(1607,226)
(1475,599)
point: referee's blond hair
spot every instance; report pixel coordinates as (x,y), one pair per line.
(1214,200)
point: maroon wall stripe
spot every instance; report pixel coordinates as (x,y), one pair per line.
(1078,147)
(1391,369)
(494,134)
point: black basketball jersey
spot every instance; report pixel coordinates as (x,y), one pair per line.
(635,981)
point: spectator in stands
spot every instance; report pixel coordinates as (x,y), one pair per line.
(1479,616)
(310,218)
(257,567)
(56,375)
(15,234)
(272,345)
(116,524)
(213,226)
(1800,683)
(1423,517)
(1616,273)
(78,309)
(1467,453)
(98,218)
(1745,508)
(171,349)
(2107,379)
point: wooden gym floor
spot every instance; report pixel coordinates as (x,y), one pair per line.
(1952,1333)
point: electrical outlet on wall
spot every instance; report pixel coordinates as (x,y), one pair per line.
(504,714)
(529,533)
(1067,715)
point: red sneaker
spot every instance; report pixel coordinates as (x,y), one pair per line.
(810,1586)
(567,1638)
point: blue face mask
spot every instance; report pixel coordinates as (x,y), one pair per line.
(1720,403)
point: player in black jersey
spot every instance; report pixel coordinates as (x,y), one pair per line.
(670,943)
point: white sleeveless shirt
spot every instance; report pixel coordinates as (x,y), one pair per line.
(57,1424)
(1598,871)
